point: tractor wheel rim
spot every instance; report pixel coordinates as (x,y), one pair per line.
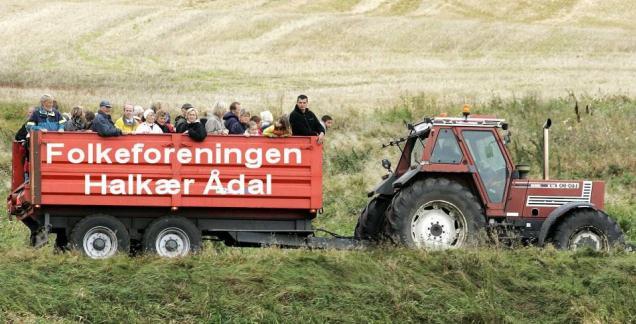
(172,242)
(588,237)
(438,224)
(100,242)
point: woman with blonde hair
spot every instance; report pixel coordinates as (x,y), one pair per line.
(77,122)
(194,128)
(162,121)
(215,124)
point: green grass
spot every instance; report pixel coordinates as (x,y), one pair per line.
(270,285)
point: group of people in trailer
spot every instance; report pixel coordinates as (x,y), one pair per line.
(219,120)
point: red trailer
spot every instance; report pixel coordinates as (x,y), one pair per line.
(166,191)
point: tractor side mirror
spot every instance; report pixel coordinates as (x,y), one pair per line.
(386,164)
(506,133)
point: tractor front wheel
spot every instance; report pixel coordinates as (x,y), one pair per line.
(587,229)
(435,213)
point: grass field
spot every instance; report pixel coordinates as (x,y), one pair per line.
(371,64)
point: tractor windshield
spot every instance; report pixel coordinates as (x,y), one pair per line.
(489,161)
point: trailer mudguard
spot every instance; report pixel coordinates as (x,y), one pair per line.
(556,214)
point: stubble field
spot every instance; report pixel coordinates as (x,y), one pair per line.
(370,64)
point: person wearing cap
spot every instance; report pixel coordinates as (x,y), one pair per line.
(103,124)
(127,123)
(181,121)
(45,118)
(149,126)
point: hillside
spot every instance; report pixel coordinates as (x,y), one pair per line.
(355,53)
(371,64)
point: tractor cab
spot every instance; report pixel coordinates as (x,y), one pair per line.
(458,172)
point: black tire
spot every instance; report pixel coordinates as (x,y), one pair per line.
(437,199)
(171,236)
(61,241)
(100,236)
(589,228)
(371,220)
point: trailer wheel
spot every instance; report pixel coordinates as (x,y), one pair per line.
(372,218)
(100,236)
(435,213)
(171,237)
(587,229)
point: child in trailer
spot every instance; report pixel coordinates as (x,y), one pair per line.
(252,129)
(280,128)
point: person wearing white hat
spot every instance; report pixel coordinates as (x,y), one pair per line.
(149,126)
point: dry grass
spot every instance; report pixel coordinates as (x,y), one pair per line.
(342,53)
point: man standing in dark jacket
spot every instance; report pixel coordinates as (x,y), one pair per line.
(304,122)
(103,125)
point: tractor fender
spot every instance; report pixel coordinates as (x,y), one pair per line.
(385,187)
(406,178)
(557,214)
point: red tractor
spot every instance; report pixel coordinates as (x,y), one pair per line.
(455,179)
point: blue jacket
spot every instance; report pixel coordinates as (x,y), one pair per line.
(103,125)
(233,124)
(49,120)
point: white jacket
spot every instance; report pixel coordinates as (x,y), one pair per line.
(146,128)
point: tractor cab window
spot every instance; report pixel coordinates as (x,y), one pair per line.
(446,148)
(489,161)
(416,152)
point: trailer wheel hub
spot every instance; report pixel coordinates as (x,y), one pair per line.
(172,245)
(99,244)
(172,242)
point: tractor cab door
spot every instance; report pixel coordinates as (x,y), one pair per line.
(490,166)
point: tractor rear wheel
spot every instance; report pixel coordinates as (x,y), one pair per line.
(371,219)
(435,213)
(587,229)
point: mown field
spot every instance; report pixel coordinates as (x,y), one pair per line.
(371,65)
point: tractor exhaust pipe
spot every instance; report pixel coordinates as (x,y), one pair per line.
(546,149)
